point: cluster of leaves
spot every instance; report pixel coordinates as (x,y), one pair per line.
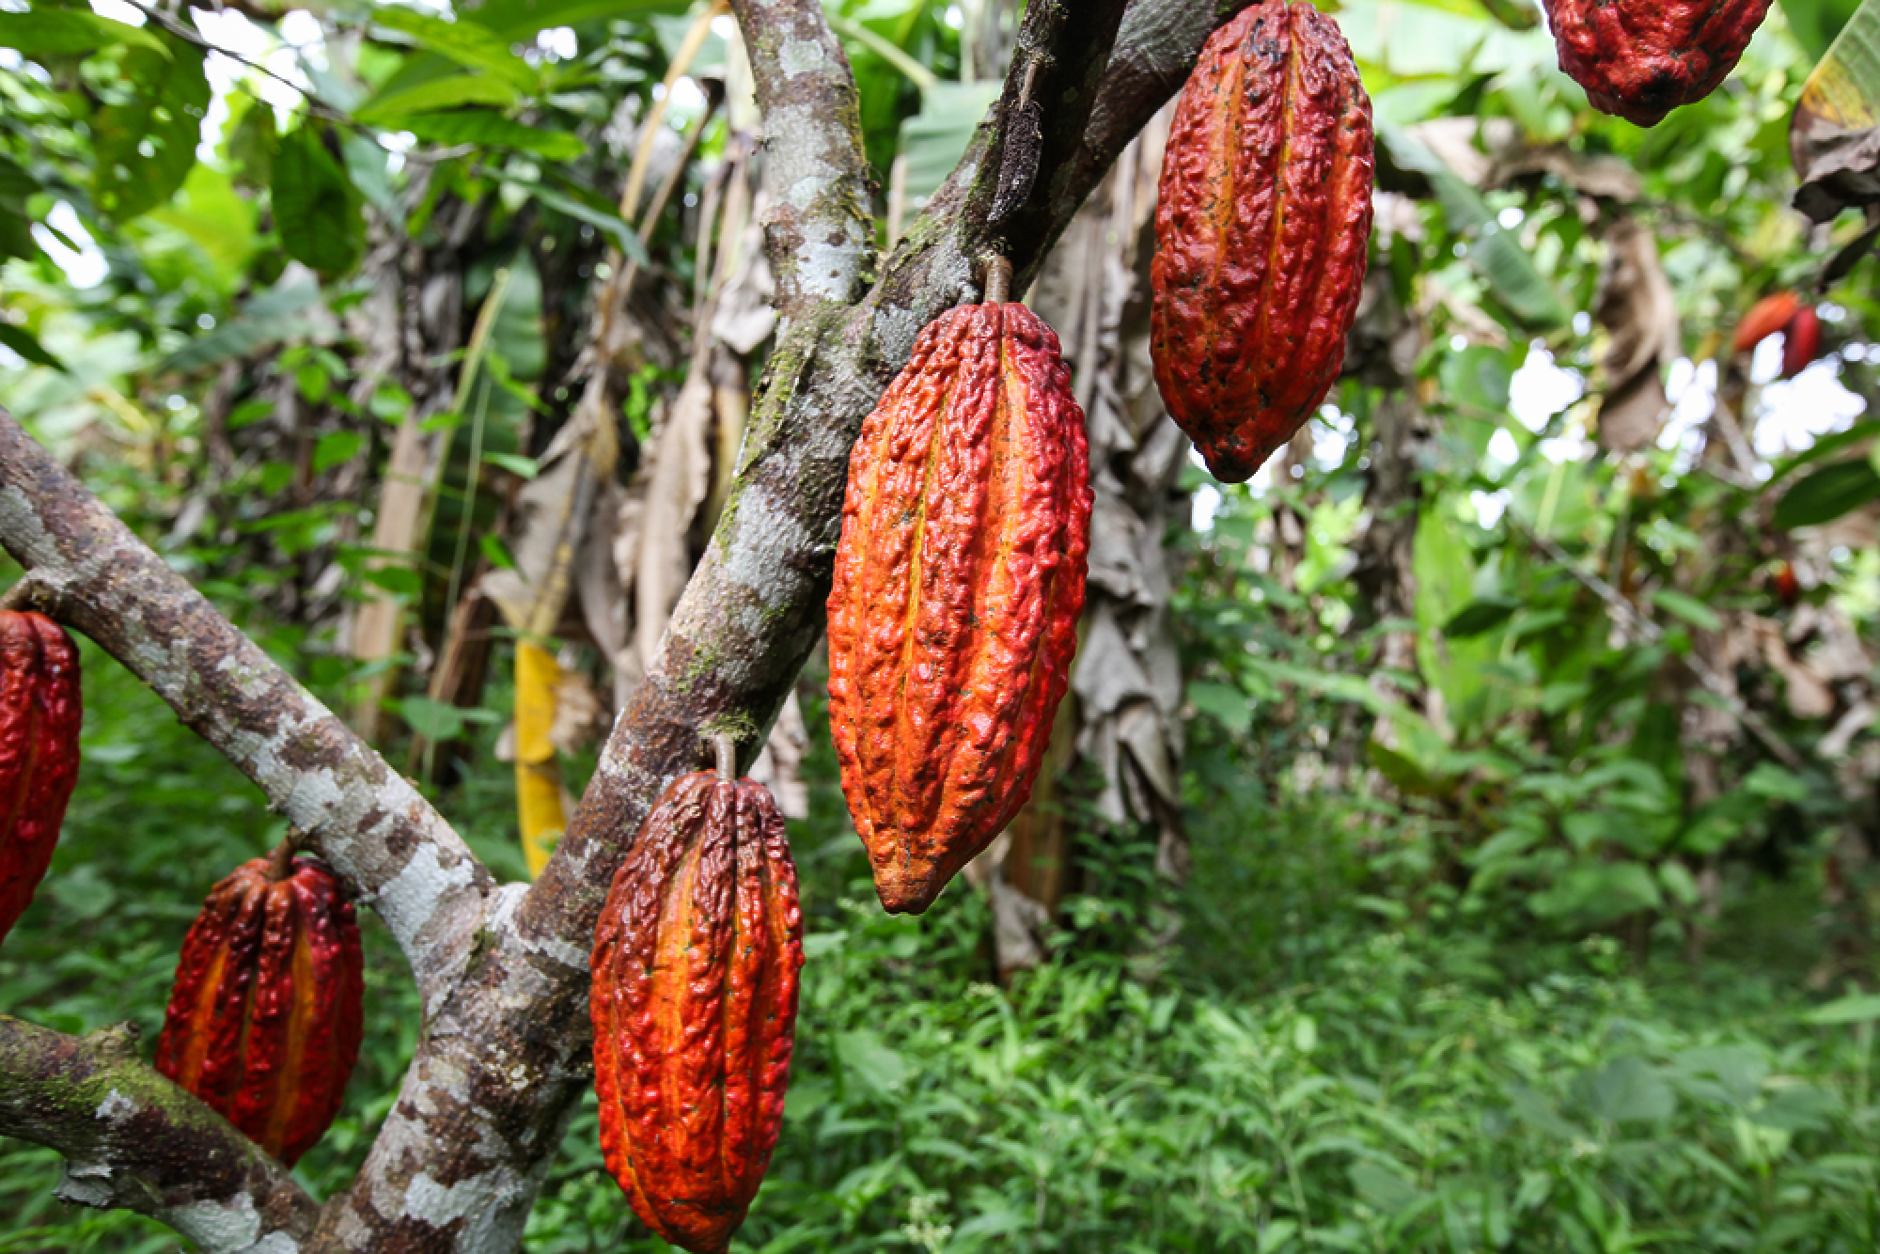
(1315,1081)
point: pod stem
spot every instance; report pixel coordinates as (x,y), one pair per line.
(726,748)
(998,280)
(281,861)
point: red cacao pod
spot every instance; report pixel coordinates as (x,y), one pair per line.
(1764,319)
(1262,225)
(39,722)
(268,1006)
(1640,59)
(958,583)
(694,1004)
(1801,341)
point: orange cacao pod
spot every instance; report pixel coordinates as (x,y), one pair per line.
(1764,319)
(958,582)
(1640,59)
(694,1004)
(268,1006)
(1262,225)
(1801,341)
(39,721)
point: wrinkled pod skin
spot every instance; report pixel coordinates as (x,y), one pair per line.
(1262,224)
(959,579)
(695,966)
(268,1007)
(39,723)
(1640,59)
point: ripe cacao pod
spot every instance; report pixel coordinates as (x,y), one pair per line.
(1801,341)
(268,1006)
(694,1004)
(1640,59)
(1764,319)
(1262,226)
(958,583)
(39,721)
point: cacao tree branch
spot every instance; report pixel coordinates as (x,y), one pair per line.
(819,228)
(132,1139)
(461,1155)
(90,572)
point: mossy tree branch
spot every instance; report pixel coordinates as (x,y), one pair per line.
(132,1139)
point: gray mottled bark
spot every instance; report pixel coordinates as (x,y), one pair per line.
(134,1140)
(504,1054)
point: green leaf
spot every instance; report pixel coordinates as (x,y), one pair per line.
(1223,703)
(335,447)
(1688,608)
(524,468)
(72,32)
(441,93)
(21,341)
(1815,23)
(934,140)
(1480,615)
(493,130)
(1495,254)
(1860,1008)
(1827,494)
(270,317)
(316,207)
(469,44)
(611,224)
(145,146)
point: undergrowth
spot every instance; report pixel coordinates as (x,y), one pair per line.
(1312,1062)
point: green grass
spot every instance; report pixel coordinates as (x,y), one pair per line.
(1304,1067)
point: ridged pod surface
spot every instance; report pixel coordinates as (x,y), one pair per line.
(268,1007)
(958,583)
(695,968)
(39,721)
(1640,59)
(1262,225)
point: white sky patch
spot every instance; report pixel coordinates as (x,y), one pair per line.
(724,26)
(117,11)
(1490,506)
(558,43)
(1540,389)
(686,97)
(84,268)
(1799,411)
(1332,435)
(1206,504)
(1502,448)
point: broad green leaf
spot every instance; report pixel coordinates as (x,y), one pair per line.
(1628,1089)
(145,146)
(1824,447)
(934,140)
(1829,133)
(1859,1008)
(1688,608)
(316,207)
(16,186)
(1494,253)
(492,130)
(270,317)
(21,341)
(221,223)
(616,229)
(72,32)
(1816,23)
(1480,615)
(515,20)
(442,93)
(470,44)
(1827,494)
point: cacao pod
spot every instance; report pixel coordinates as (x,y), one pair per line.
(1640,59)
(1262,225)
(268,1006)
(1801,341)
(39,721)
(958,582)
(694,1004)
(1764,319)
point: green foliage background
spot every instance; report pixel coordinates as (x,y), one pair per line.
(1443,1008)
